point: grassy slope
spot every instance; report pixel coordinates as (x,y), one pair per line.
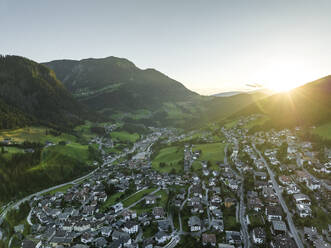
(125,136)
(168,155)
(34,134)
(323,130)
(137,196)
(210,152)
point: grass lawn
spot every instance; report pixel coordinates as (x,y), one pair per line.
(210,152)
(258,121)
(61,189)
(164,198)
(171,156)
(137,196)
(231,124)
(125,136)
(9,151)
(34,134)
(111,201)
(323,130)
(54,154)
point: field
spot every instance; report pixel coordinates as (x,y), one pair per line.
(231,124)
(61,189)
(137,196)
(125,136)
(323,130)
(210,152)
(34,134)
(171,156)
(258,121)
(111,201)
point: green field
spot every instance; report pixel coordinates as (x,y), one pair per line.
(323,130)
(111,201)
(259,121)
(61,189)
(34,134)
(125,136)
(171,156)
(137,196)
(213,152)
(231,124)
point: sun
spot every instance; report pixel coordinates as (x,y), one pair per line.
(281,87)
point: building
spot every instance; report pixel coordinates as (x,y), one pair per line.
(258,235)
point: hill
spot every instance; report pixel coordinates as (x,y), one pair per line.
(114,84)
(30,93)
(307,105)
(116,88)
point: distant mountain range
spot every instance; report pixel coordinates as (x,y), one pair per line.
(114,88)
(233,93)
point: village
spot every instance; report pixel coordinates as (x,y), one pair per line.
(257,197)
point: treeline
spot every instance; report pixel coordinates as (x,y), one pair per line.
(23,173)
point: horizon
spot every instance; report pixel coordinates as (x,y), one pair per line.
(211,48)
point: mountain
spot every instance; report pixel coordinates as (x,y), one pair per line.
(116,88)
(309,104)
(226,94)
(114,84)
(233,93)
(31,94)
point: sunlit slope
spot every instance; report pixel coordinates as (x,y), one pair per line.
(309,104)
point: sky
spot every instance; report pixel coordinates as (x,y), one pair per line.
(210,46)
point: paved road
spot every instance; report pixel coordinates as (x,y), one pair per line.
(241,207)
(242,218)
(282,202)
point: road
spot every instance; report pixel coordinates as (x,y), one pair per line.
(282,202)
(242,218)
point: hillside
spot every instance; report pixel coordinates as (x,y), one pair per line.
(114,84)
(31,94)
(118,89)
(309,104)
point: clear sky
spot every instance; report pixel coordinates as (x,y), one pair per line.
(208,45)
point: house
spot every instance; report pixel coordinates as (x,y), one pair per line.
(106,231)
(302,199)
(130,227)
(161,237)
(313,184)
(218,225)
(30,244)
(278,227)
(150,200)
(209,239)
(258,235)
(100,242)
(285,180)
(303,210)
(255,204)
(281,241)
(229,202)
(268,192)
(233,237)
(194,223)
(273,213)
(197,191)
(118,207)
(302,176)
(158,212)
(260,175)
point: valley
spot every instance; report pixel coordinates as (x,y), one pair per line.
(119,166)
